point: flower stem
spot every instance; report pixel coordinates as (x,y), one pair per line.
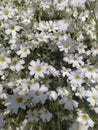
(58,122)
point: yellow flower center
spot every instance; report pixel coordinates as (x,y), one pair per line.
(37,93)
(77,77)
(90,28)
(25,50)
(15,62)
(12,27)
(66,45)
(29,83)
(3,59)
(94,97)
(96,47)
(90,69)
(19,99)
(59,1)
(78,127)
(6,2)
(6,13)
(69,98)
(74,58)
(51,27)
(38,68)
(84,117)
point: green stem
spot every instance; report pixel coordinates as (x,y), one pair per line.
(58,122)
(41,127)
(95,19)
(19,115)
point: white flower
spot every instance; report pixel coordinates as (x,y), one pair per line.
(7,12)
(17,64)
(75,60)
(61,4)
(80,38)
(45,115)
(14,102)
(53,71)
(51,26)
(42,37)
(45,4)
(80,92)
(62,25)
(92,96)
(1,121)
(27,83)
(81,48)
(90,29)
(78,126)
(4,62)
(84,15)
(91,72)
(77,2)
(33,116)
(65,71)
(85,119)
(66,45)
(62,91)
(11,28)
(2,93)
(38,93)
(94,49)
(68,102)
(23,86)
(76,78)
(26,16)
(48,26)
(38,69)
(95,109)
(23,52)
(40,26)
(52,95)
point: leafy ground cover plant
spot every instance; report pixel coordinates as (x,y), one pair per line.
(48,64)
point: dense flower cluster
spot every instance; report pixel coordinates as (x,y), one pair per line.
(48,64)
